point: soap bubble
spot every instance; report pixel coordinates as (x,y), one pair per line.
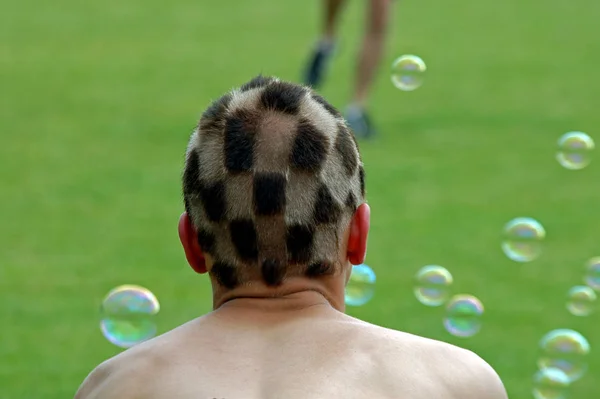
(407,72)
(128,315)
(463,316)
(566,350)
(433,285)
(592,273)
(522,239)
(575,150)
(361,286)
(581,300)
(550,383)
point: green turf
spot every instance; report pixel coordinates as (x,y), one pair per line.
(98,100)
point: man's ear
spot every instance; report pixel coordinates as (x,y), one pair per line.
(359,232)
(189,240)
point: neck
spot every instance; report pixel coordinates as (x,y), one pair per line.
(294,294)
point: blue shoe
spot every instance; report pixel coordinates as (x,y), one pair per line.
(360,123)
(315,71)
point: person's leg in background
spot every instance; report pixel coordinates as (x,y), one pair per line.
(368,62)
(318,62)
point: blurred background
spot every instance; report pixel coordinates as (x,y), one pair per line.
(98,100)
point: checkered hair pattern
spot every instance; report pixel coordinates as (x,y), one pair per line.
(272,178)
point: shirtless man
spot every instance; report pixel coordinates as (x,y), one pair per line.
(276,215)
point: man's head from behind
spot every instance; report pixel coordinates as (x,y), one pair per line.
(273,188)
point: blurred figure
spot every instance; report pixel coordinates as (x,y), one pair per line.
(275,214)
(367,62)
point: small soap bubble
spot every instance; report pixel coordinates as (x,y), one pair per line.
(566,350)
(523,239)
(361,286)
(575,150)
(128,313)
(407,72)
(581,300)
(463,316)
(550,383)
(592,273)
(433,285)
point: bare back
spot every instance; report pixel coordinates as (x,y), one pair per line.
(314,353)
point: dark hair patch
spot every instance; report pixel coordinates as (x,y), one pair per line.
(351,201)
(258,81)
(191,175)
(326,209)
(187,205)
(239,141)
(225,274)
(213,200)
(361,176)
(330,108)
(269,193)
(206,240)
(299,241)
(212,118)
(309,149)
(345,147)
(283,97)
(273,272)
(243,236)
(319,269)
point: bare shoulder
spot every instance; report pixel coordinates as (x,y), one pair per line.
(469,375)
(453,372)
(124,376)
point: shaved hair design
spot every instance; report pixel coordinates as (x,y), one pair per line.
(272,179)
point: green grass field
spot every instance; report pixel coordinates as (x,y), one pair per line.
(98,100)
